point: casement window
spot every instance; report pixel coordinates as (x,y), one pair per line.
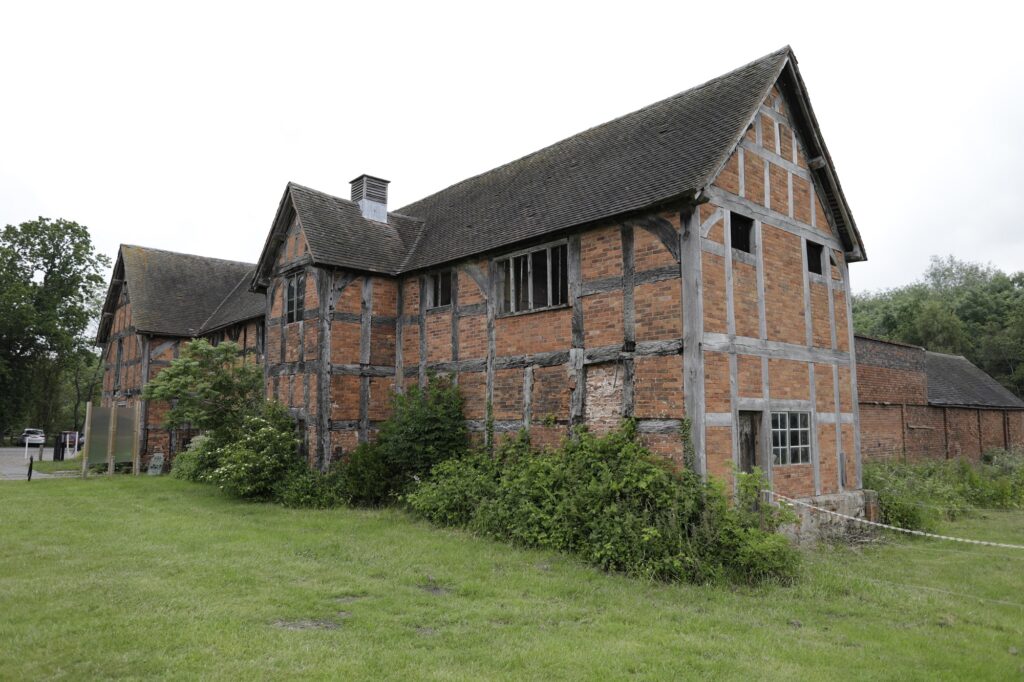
(534,280)
(295,297)
(741,232)
(814,252)
(791,438)
(439,289)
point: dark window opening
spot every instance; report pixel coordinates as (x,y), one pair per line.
(295,297)
(814,252)
(535,280)
(440,289)
(741,232)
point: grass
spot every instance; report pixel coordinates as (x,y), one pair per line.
(50,467)
(158,578)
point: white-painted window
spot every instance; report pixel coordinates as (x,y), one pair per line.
(791,438)
(534,280)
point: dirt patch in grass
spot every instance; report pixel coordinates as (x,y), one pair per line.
(306,624)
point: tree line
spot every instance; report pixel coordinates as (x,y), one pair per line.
(958,307)
(52,282)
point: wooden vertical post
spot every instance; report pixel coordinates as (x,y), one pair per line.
(136,450)
(111,436)
(88,439)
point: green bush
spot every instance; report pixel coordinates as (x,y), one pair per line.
(198,461)
(426,427)
(365,478)
(253,466)
(305,488)
(920,495)
(456,489)
(613,503)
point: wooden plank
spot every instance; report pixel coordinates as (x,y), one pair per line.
(815,449)
(88,439)
(628,269)
(111,439)
(777,350)
(422,321)
(135,442)
(527,397)
(400,339)
(662,229)
(692,301)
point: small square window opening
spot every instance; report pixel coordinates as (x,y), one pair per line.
(741,232)
(814,252)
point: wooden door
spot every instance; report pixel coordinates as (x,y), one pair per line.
(749,427)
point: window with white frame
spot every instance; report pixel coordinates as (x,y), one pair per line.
(791,438)
(534,280)
(439,289)
(295,297)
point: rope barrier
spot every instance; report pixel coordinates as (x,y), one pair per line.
(790,501)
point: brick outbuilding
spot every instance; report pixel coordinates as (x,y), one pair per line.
(687,260)
(916,404)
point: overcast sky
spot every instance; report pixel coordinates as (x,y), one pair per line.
(177,125)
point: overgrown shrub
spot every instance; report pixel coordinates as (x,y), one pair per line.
(613,503)
(198,461)
(919,495)
(254,465)
(426,427)
(364,478)
(303,487)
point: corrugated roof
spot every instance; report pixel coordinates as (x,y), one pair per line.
(954,380)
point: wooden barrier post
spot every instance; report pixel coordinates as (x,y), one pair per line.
(88,439)
(111,437)
(136,463)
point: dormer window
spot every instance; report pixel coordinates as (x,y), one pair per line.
(295,297)
(439,289)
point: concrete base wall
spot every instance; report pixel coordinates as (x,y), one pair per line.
(813,525)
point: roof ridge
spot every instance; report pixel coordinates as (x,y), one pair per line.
(182,253)
(604,123)
(349,201)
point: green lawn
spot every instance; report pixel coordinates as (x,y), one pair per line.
(49,467)
(153,577)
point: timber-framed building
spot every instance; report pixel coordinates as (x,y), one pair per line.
(687,260)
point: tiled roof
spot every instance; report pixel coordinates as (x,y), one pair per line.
(240,304)
(664,152)
(661,152)
(176,293)
(954,380)
(339,235)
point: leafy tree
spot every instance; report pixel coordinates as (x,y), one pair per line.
(957,307)
(51,283)
(210,388)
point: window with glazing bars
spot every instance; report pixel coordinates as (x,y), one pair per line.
(534,280)
(791,438)
(295,297)
(439,289)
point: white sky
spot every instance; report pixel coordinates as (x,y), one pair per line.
(177,125)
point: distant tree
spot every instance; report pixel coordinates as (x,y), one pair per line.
(957,307)
(210,388)
(51,283)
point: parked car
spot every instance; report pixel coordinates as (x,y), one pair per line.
(32,437)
